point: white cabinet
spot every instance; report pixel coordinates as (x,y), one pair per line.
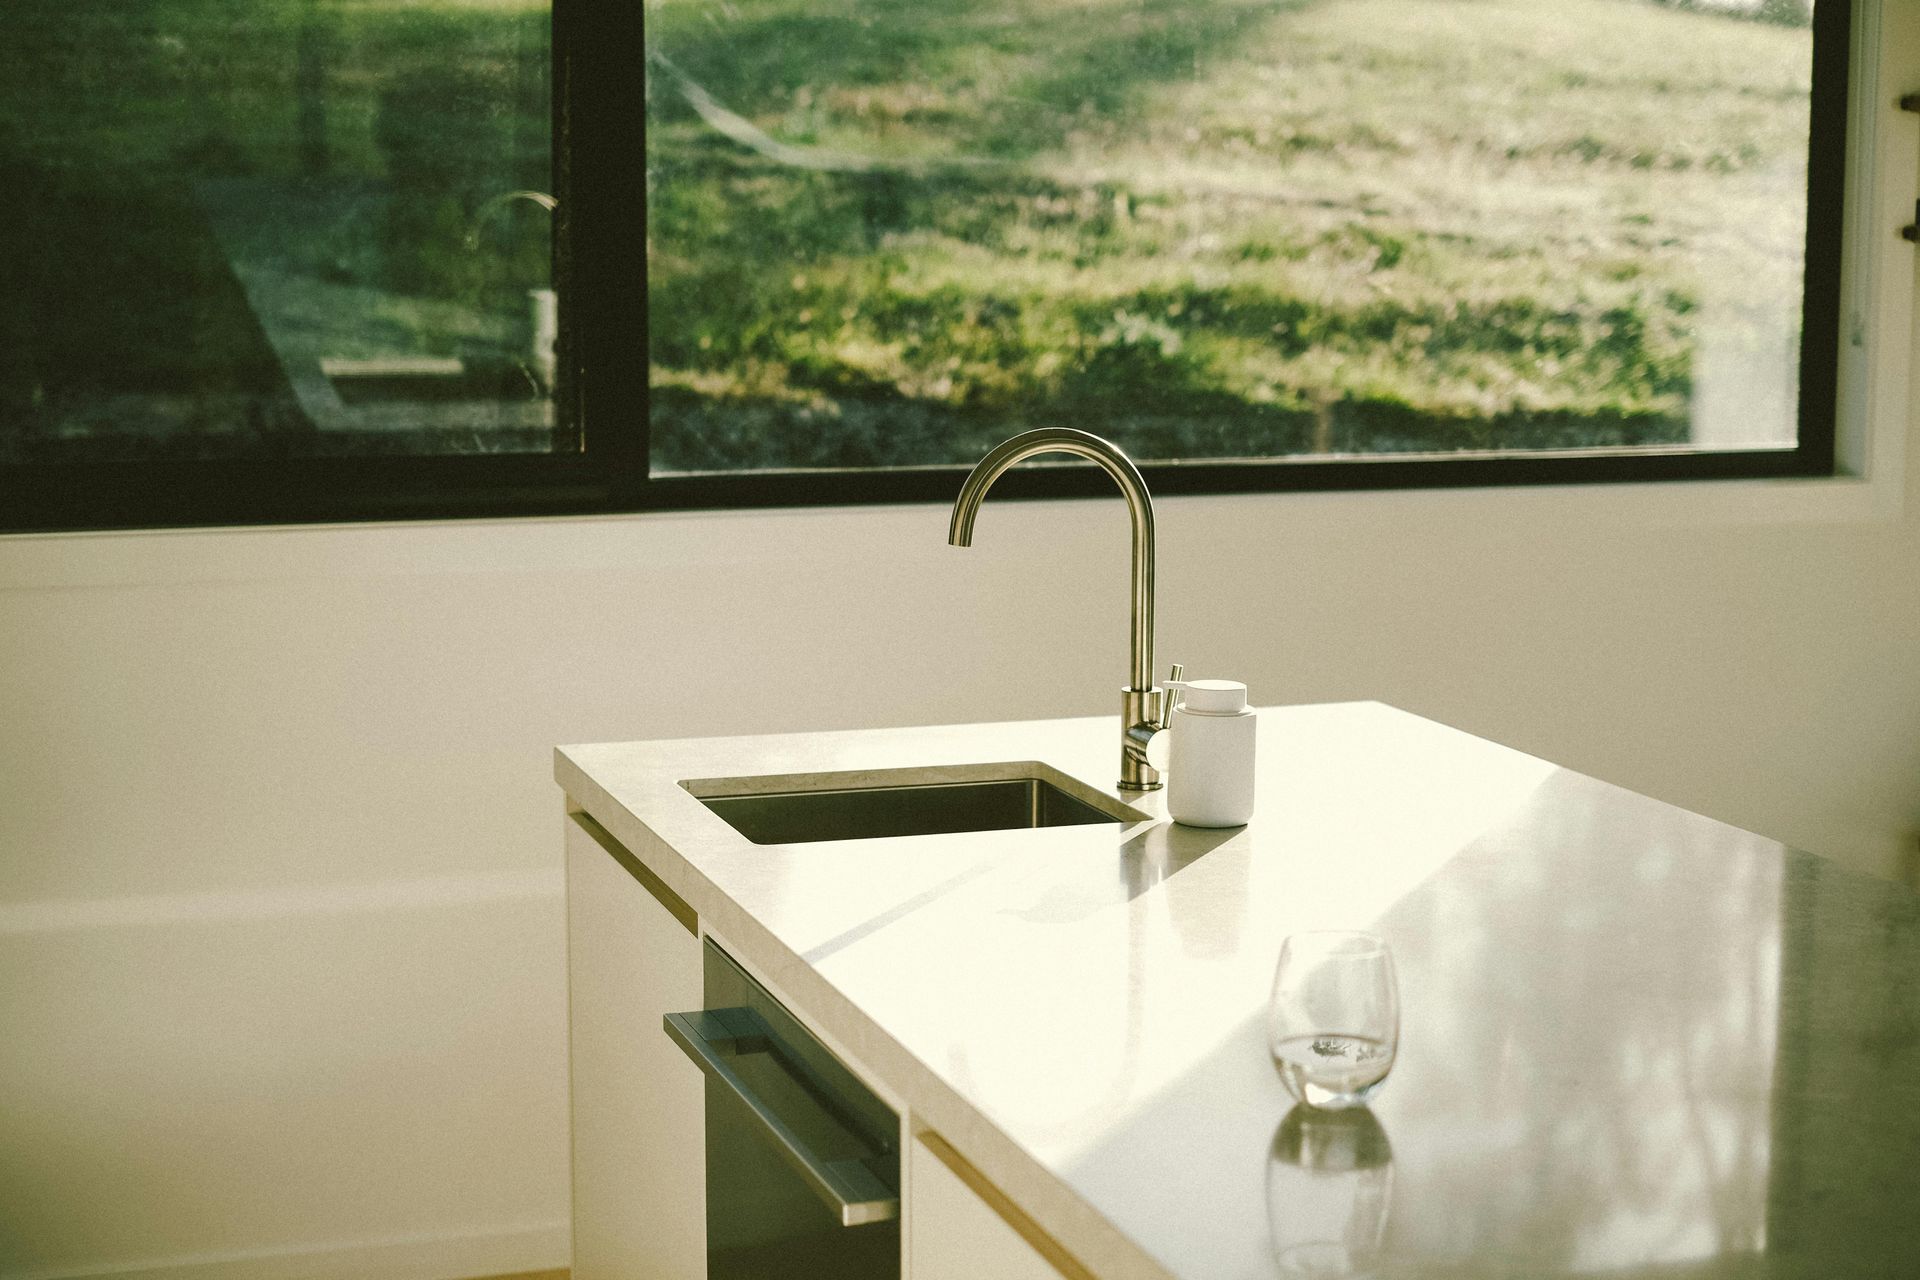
(639,1170)
(961,1227)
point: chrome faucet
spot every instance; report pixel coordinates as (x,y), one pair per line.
(1143,706)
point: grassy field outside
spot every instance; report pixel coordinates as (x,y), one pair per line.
(889,232)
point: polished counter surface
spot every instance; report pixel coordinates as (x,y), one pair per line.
(1634,1042)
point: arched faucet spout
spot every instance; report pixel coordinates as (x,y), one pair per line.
(1140,700)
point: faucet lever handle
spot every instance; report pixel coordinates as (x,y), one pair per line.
(1167,699)
(1159,739)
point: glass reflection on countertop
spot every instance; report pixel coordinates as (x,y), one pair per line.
(1329,1190)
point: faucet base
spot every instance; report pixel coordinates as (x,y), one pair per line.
(1140,718)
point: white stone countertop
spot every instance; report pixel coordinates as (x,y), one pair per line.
(1634,1041)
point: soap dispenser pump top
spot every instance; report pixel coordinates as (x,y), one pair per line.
(1211,697)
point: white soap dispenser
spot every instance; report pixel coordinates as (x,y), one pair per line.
(1210,774)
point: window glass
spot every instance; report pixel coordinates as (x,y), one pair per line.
(890,232)
(270,228)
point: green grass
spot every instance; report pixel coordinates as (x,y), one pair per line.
(1215,225)
(210,85)
(1204,227)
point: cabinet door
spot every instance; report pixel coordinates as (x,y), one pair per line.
(639,1167)
(961,1227)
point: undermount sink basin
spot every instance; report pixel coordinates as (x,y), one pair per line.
(802,814)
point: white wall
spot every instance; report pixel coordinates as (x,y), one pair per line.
(281,953)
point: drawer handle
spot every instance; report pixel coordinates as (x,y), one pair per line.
(712,1038)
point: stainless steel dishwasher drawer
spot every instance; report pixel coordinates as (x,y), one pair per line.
(803,1162)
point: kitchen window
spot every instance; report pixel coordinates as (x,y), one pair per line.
(330,260)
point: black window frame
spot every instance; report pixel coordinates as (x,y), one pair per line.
(600,270)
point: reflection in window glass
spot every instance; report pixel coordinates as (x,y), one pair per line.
(890,232)
(244,228)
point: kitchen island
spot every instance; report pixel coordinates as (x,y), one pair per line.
(1634,1041)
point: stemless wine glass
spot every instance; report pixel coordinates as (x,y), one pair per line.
(1333,1024)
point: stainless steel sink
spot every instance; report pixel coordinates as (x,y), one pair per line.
(799,816)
